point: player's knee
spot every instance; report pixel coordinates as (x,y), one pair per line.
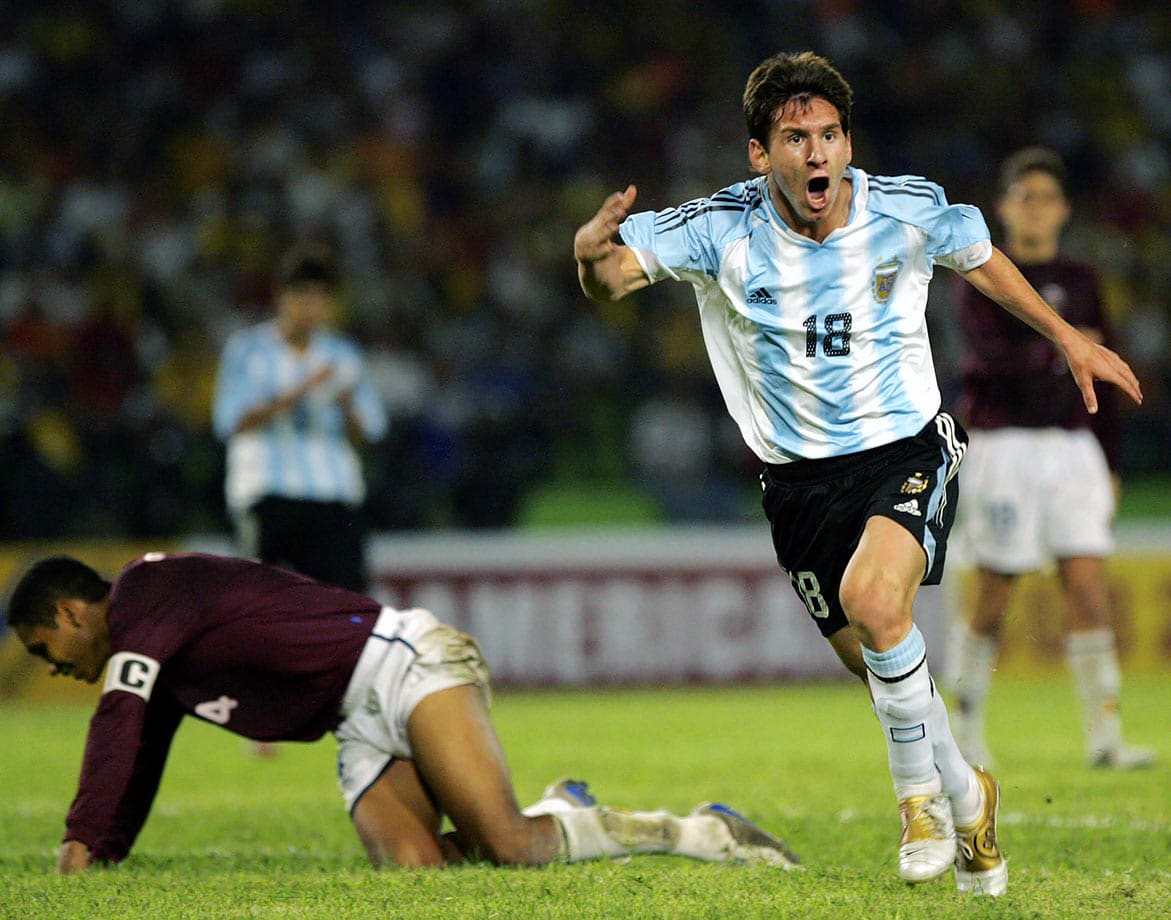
(406,851)
(411,855)
(874,601)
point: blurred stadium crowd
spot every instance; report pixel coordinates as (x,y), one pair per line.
(158,155)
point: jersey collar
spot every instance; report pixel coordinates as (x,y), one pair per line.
(860,195)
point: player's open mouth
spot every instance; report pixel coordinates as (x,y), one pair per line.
(818,192)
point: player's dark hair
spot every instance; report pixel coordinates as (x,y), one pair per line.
(309,263)
(1031,159)
(34,599)
(785,77)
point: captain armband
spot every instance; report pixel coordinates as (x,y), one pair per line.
(131,672)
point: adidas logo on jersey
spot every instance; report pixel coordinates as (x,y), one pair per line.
(760,295)
(911,507)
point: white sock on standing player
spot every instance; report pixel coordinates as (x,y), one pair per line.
(1093,660)
(973,661)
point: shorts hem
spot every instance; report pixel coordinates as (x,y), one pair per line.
(928,568)
(370,785)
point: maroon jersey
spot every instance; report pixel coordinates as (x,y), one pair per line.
(263,652)
(1014,377)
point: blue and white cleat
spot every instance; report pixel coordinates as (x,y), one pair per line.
(562,796)
(749,843)
(574,792)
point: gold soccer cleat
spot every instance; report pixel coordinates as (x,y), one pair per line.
(927,847)
(980,866)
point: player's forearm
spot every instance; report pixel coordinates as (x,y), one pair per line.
(601,279)
(613,276)
(356,432)
(259,416)
(1001,281)
(262,415)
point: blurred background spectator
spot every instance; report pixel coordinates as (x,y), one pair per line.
(158,155)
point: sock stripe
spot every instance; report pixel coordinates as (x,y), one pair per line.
(898,677)
(898,662)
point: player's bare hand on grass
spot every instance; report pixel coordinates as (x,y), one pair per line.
(72,857)
(594,240)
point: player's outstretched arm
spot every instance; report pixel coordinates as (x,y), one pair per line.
(1000,280)
(265,413)
(607,270)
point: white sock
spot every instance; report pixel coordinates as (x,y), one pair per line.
(552,806)
(1092,659)
(591,833)
(971,674)
(703,837)
(900,685)
(585,837)
(957,777)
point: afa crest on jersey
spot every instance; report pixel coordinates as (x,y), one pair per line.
(915,483)
(883,282)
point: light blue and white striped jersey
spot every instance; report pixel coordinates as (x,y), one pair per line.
(820,349)
(303,453)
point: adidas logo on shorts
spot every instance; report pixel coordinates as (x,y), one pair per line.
(911,507)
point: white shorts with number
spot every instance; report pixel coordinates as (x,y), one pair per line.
(409,656)
(1032,495)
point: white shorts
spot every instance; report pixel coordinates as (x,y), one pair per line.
(1032,495)
(409,656)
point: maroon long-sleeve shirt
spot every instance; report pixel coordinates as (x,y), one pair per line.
(263,652)
(1014,377)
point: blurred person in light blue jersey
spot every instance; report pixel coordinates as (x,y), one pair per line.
(811,281)
(293,401)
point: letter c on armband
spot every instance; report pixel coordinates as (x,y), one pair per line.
(131,672)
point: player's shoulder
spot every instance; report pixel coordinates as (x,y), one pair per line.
(256,335)
(147,566)
(157,569)
(724,211)
(913,199)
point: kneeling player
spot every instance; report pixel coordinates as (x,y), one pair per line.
(275,656)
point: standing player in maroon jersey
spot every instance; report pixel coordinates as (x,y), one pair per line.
(274,656)
(1040,478)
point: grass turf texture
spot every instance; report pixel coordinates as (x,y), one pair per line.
(234,836)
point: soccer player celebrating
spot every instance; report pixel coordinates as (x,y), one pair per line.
(1038,481)
(811,281)
(275,656)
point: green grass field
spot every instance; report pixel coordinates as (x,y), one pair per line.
(233,836)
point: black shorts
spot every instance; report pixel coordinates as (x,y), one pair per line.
(324,540)
(818,509)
